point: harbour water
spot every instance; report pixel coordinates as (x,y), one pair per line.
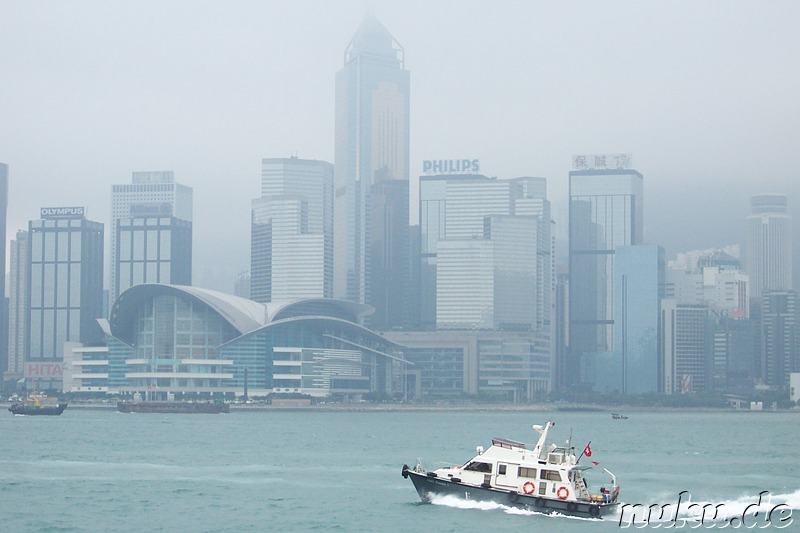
(99,470)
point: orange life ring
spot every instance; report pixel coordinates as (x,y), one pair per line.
(528,487)
(563,493)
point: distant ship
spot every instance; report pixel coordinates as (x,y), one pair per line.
(33,406)
(172,407)
(617,416)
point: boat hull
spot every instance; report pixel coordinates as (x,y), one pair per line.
(172,407)
(29,410)
(427,486)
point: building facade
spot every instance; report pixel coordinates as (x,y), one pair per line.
(4,339)
(152,249)
(371,228)
(605,212)
(507,366)
(149,194)
(176,342)
(292,231)
(486,254)
(633,367)
(769,244)
(779,336)
(735,354)
(18,306)
(725,291)
(65,288)
(684,355)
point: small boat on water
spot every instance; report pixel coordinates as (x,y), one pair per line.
(173,407)
(545,478)
(617,416)
(34,406)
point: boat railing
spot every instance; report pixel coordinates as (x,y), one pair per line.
(507,443)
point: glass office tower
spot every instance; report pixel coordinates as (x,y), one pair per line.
(149,194)
(65,283)
(605,212)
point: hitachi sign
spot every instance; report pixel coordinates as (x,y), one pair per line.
(62,212)
(451,166)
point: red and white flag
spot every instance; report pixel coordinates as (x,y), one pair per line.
(595,463)
(588,450)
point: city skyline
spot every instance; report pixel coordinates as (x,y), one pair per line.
(699,143)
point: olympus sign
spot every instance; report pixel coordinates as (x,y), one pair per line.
(451,166)
(62,212)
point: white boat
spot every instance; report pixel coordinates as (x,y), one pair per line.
(545,478)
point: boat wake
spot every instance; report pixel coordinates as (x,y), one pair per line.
(458,503)
(745,511)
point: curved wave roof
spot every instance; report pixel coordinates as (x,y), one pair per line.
(243,314)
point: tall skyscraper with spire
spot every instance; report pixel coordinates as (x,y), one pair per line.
(371,232)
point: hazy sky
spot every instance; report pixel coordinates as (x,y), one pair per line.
(705,95)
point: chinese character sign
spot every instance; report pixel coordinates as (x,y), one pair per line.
(601,161)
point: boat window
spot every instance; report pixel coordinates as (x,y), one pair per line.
(477,466)
(551,475)
(526,472)
(501,470)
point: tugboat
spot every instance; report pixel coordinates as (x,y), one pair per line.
(34,406)
(546,479)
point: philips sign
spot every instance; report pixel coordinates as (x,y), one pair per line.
(62,212)
(451,166)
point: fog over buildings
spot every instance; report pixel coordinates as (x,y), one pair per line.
(704,95)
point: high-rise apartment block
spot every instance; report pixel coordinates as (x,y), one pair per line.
(371,256)
(65,287)
(769,244)
(605,212)
(291,254)
(149,198)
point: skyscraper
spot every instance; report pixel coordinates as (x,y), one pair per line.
(66,283)
(291,253)
(4,339)
(151,194)
(638,289)
(780,349)
(18,305)
(486,254)
(371,173)
(605,212)
(152,249)
(769,245)
(684,355)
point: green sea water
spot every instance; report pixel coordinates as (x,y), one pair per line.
(99,470)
